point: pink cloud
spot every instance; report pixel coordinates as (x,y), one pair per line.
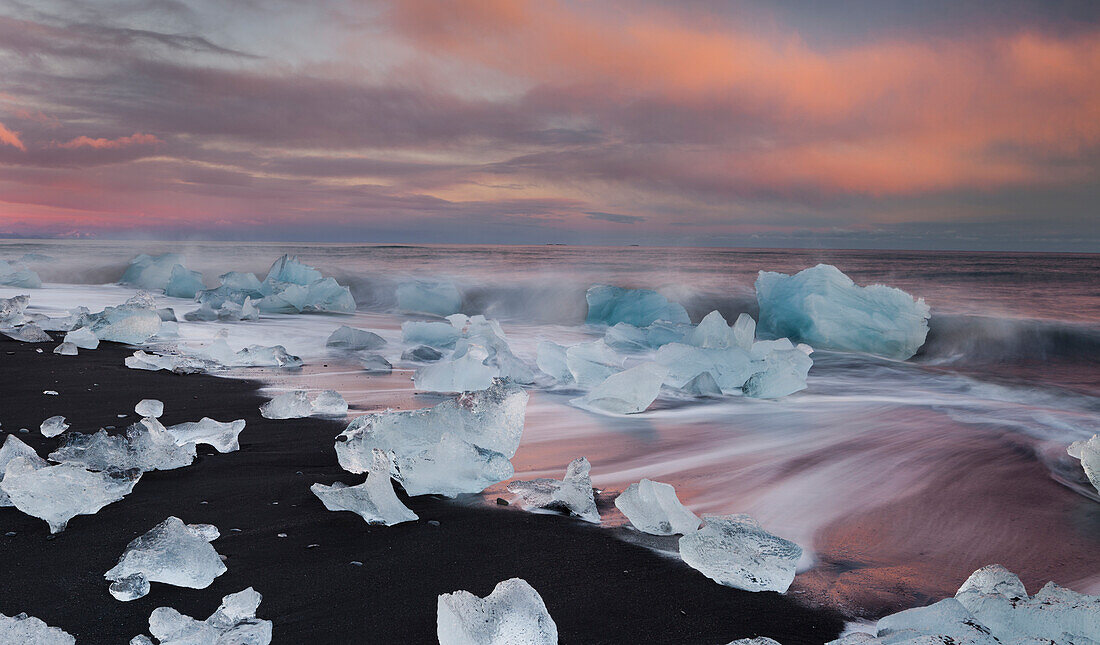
(11,138)
(135,139)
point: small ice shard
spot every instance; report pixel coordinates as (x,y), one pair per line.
(572,495)
(513,614)
(329,403)
(609,305)
(440,335)
(12,449)
(591,363)
(703,385)
(171,552)
(183,282)
(59,493)
(459,446)
(652,507)
(288,405)
(439,298)
(147,446)
(170,362)
(377,364)
(14,274)
(1088,451)
(149,408)
(466,373)
(823,307)
(627,392)
(22,629)
(353,339)
(53,426)
(713,332)
(733,550)
(744,332)
(551,360)
(784,373)
(374,500)
(947,619)
(66,349)
(222,436)
(83,338)
(28,333)
(11,310)
(759,640)
(234,623)
(422,354)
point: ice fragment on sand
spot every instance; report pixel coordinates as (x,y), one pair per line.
(11,310)
(147,445)
(329,403)
(222,436)
(458,446)
(171,362)
(293,287)
(784,372)
(149,408)
(377,364)
(434,334)
(28,333)
(823,307)
(133,322)
(234,623)
(56,494)
(465,373)
(53,426)
(733,550)
(627,392)
(625,337)
(354,339)
(572,495)
(171,552)
(183,283)
(15,274)
(83,338)
(374,500)
(513,614)
(288,405)
(13,447)
(703,385)
(731,367)
(422,353)
(591,363)
(652,507)
(438,298)
(713,332)
(609,305)
(551,360)
(22,629)
(1088,451)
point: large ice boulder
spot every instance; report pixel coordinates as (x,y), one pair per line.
(434,297)
(14,448)
(82,337)
(462,445)
(171,552)
(15,274)
(735,551)
(59,493)
(234,623)
(608,305)
(374,500)
(823,307)
(22,629)
(652,507)
(627,392)
(572,494)
(1088,451)
(513,614)
(133,322)
(481,353)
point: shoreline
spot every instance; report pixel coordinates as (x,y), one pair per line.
(597,587)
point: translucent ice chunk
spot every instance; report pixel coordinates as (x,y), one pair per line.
(784,373)
(173,363)
(83,338)
(66,349)
(11,310)
(22,629)
(759,640)
(713,332)
(823,307)
(53,426)
(288,269)
(222,436)
(56,494)
(947,619)
(478,332)
(183,283)
(591,363)
(149,408)
(652,507)
(703,385)
(171,552)
(625,337)
(12,449)
(146,446)
(730,367)
(627,392)
(132,323)
(421,354)
(572,495)
(288,405)
(151,271)
(329,403)
(513,614)
(609,305)
(551,360)
(234,623)
(744,332)
(466,373)
(354,339)
(373,500)
(1088,451)
(434,334)
(733,550)
(377,364)
(15,274)
(323,295)
(437,298)
(28,333)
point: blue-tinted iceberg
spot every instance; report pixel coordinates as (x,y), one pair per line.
(151,271)
(551,360)
(441,335)
(14,274)
(293,287)
(608,305)
(784,369)
(481,353)
(439,298)
(183,282)
(132,323)
(823,307)
(464,373)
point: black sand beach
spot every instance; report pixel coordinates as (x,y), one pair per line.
(598,588)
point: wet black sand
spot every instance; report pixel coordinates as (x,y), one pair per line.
(598,589)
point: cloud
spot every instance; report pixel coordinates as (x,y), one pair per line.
(136,139)
(11,138)
(615,217)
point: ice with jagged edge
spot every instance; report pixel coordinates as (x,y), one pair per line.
(22,629)
(219,354)
(14,447)
(591,363)
(82,337)
(551,360)
(572,494)
(16,274)
(441,335)
(171,552)
(293,287)
(222,436)
(481,353)
(28,333)
(433,297)
(183,282)
(731,367)
(234,623)
(374,500)
(628,392)
(513,614)
(298,404)
(352,339)
(151,271)
(376,364)
(12,310)
(652,507)
(59,493)
(1088,452)
(823,307)
(66,349)
(235,288)
(713,332)
(146,446)
(133,322)
(461,445)
(228,311)
(735,551)
(759,640)
(152,408)
(53,426)
(175,363)
(608,305)
(782,369)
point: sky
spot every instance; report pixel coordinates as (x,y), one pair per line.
(943,124)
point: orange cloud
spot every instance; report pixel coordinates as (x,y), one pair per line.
(11,138)
(135,139)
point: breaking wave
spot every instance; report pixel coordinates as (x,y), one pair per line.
(985,340)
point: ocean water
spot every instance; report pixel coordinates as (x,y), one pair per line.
(898,477)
